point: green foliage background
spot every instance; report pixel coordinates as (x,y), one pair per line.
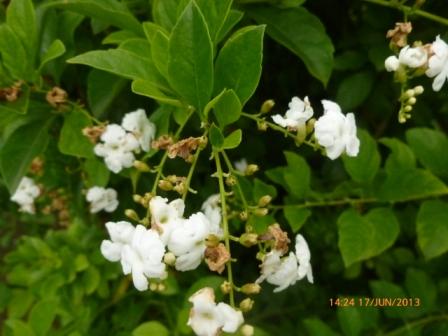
(377,225)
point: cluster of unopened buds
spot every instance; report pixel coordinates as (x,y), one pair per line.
(420,59)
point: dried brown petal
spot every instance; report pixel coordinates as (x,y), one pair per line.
(278,236)
(93,133)
(399,35)
(184,148)
(162,142)
(12,93)
(56,97)
(217,257)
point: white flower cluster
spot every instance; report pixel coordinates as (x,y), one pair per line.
(208,318)
(26,193)
(102,199)
(119,143)
(141,250)
(433,59)
(286,271)
(334,130)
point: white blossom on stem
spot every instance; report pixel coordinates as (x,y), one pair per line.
(121,234)
(438,63)
(297,115)
(208,318)
(413,57)
(166,216)
(212,210)
(137,122)
(336,131)
(241,165)
(102,199)
(25,194)
(392,63)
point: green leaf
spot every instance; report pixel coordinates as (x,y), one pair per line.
(354,90)
(385,289)
(148,89)
(419,285)
(316,327)
(216,137)
(42,316)
(56,49)
(116,61)
(297,175)
(102,89)
(296,217)
(20,149)
(190,62)
(432,230)
(232,19)
(401,157)
(21,18)
(14,56)
(302,33)
(72,141)
(215,14)
(159,52)
(350,320)
(19,328)
(151,328)
(212,281)
(118,37)
(164,13)
(107,11)
(430,147)
(261,189)
(97,172)
(408,184)
(227,109)
(364,237)
(363,167)
(19,304)
(91,280)
(238,65)
(233,140)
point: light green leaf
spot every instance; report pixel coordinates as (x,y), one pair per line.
(151,29)
(159,52)
(164,13)
(72,141)
(148,89)
(108,11)
(91,279)
(118,37)
(316,327)
(432,229)
(407,184)
(216,137)
(420,285)
(350,320)
(14,56)
(363,167)
(42,316)
(385,289)
(97,172)
(151,328)
(232,19)
(227,109)
(401,157)
(354,90)
(20,149)
(302,33)
(19,303)
(261,189)
(296,217)
(364,237)
(233,140)
(297,175)
(19,328)
(430,147)
(215,14)
(238,65)
(56,49)
(190,62)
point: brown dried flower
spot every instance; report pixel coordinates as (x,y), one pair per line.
(37,166)
(399,35)
(93,133)
(11,94)
(163,142)
(184,148)
(278,236)
(56,97)
(217,257)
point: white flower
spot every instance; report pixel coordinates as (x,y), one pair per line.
(241,165)
(297,115)
(121,234)
(286,271)
(25,194)
(143,257)
(391,63)
(212,211)
(117,148)
(166,216)
(137,123)
(413,57)
(208,318)
(438,63)
(187,241)
(336,132)
(102,199)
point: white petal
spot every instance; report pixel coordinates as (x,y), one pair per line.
(111,251)
(231,319)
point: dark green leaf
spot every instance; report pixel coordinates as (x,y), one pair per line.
(14,56)
(401,157)
(56,49)
(419,285)
(262,189)
(159,52)
(297,175)
(216,137)
(233,140)
(432,229)
(238,65)
(387,290)
(19,328)
(215,14)
(296,217)
(97,172)
(148,89)
(316,327)
(164,13)
(350,320)
(227,109)
(302,33)
(72,141)
(42,316)
(354,90)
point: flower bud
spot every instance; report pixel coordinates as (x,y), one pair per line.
(169,258)
(261,212)
(161,287)
(408,108)
(412,101)
(265,200)
(262,126)
(251,169)
(141,166)
(165,185)
(180,188)
(145,221)
(246,305)
(137,198)
(247,330)
(153,286)
(248,239)
(131,214)
(226,287)
(310,126)
(267,106)
(418,90)
(251,288)
(231,180)
(409,93)
(212,241)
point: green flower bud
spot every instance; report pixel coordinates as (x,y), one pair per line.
(165,185)
(131,214)
(251,288)
(141,166)
(267,106)
(265,200)
(246,305)
(248,239)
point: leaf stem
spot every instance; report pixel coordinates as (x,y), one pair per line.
(225,223)
(410,10)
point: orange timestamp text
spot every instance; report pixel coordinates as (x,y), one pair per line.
(374,302)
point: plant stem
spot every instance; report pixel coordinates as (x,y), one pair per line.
(410,10)
(238,186)
(225,223)
(190,172)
